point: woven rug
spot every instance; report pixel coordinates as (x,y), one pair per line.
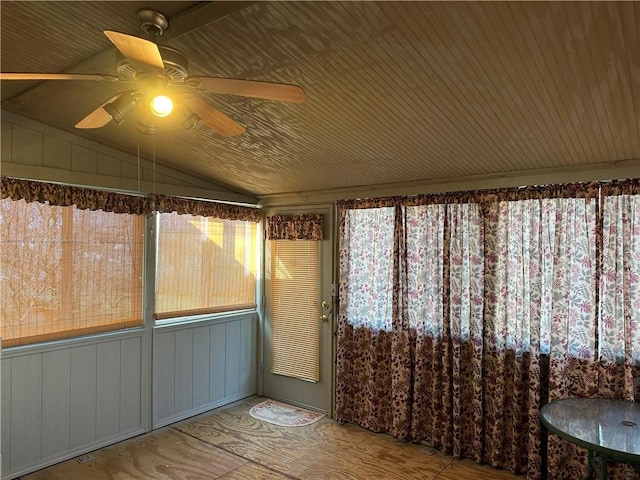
(284,415)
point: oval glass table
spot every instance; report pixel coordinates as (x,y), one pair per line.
(608,429)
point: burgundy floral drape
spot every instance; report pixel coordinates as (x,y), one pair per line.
(90,199)
(224,211)
(295,227)
(64,196)
(462,314)
(541,276)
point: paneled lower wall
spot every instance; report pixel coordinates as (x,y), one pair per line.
(69,398)
(202,365)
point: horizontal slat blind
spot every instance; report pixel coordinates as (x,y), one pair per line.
(293,308)
(204,265)
(67,272)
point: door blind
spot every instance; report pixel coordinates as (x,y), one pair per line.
(293,308)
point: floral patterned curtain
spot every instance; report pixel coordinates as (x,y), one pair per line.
(541,305)
(298,227)
(64,196)
(619,300)
(619,336)
(367,292)
(460,316)
(90,199)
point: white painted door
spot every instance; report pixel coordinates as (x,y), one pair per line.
(316,395)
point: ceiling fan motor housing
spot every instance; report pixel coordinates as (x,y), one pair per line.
(176,65)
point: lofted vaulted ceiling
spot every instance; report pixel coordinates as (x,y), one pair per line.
(397,93)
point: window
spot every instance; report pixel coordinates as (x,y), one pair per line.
(204,265)
(540,275)
(66,272)
(619,325)
(521,272)
(368,279)
(425,268)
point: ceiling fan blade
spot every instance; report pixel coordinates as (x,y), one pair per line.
(99,117)
(136,49)
(214,118)
(58,76)
(250,88)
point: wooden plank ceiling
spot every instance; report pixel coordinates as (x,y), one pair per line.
(397,92)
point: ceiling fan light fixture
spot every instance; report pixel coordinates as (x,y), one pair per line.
(121,107)
(161,106)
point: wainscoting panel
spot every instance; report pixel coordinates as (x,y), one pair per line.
(163,375)
(26,410)
(66,398)
(108,389)
(201,365)
(83,395)
(56,378)
(233,359)
(5,391)
(217,363)
(184,341)
(131,371)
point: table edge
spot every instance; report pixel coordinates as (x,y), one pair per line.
(610,454)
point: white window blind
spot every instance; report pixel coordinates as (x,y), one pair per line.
(293,308)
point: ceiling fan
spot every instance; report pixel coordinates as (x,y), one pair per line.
(159,75)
